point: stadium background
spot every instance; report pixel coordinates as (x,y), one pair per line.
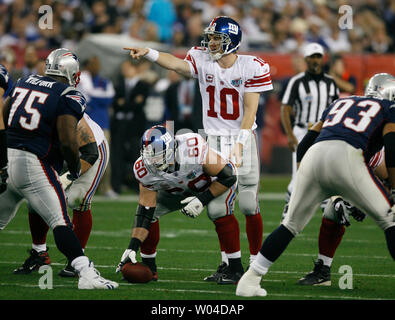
(274,30)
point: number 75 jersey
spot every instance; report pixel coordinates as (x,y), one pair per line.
(188,177)
(359,121)
(222,90)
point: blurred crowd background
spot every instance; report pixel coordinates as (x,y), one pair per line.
(136,95)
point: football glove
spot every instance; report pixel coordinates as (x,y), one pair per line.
(344,210)
(3,179)
(193,208)
(66,180)
(128,256)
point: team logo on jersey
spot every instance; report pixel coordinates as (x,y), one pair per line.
(77,98)
(237,82)
(209,78)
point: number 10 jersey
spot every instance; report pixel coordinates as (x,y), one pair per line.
(222,90)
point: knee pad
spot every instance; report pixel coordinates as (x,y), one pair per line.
(222,206)
(75,197)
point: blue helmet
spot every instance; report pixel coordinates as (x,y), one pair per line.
(157,149)
(230,33)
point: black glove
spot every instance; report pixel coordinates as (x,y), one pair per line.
(3,179)
(357,214)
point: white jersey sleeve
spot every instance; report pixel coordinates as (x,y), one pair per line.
(193,57)
(258,76)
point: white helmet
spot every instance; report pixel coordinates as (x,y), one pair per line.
(63,63)
(375,84)
(387,90)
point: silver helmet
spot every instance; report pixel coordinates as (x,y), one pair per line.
(387,90)
(375,84)
(63,63)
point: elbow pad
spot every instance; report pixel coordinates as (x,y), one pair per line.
(89,153)
(305,144)
(226,176)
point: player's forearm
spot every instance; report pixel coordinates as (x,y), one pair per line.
(170,62)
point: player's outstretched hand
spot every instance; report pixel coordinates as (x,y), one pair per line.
(137,53)
(128,256)
(193,207)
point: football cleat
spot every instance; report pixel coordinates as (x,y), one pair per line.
(320,276)
(68,272)
(215,276)
(90,279)
(249,285)
(150,262)
(34,262)
(229,277)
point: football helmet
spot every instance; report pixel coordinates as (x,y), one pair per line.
(63,63)
(229,37)
(387,89)
(375,84)
(157,149)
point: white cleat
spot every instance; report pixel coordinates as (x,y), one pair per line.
(90,279)
(249,285)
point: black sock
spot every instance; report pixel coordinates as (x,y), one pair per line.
(390,237)
(235,265)
(276,242)
(150,262)
(67,242)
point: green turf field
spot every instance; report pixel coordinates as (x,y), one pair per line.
(188,251)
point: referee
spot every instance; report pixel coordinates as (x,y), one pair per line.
(305,98)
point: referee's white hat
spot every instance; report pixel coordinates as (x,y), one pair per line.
(313,48)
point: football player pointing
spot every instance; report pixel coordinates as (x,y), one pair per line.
(230,85)
(174,173)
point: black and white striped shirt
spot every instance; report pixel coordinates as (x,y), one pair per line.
(309,95)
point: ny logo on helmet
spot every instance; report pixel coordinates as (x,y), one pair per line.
(233,28)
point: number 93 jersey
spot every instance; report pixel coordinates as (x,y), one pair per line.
(222,90)
(187,176)
(359,121)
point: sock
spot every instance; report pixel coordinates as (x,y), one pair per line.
(82,222)
(276,243)
(331,234)
(254,229)
(224,257)
(327,260)
(39,247)
(38,229)
(261,265)
(390,237)
(228,232)
(148,247)
(67,242)
(252,258)
(80,263)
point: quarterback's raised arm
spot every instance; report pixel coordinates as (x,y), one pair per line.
(165,60)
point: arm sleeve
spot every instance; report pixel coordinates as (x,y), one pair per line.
(191,59)
(290,93)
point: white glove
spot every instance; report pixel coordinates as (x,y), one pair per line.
(66,182)
(128,256)
(193,208)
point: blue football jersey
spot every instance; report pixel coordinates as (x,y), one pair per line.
(4,78)
(359,121)
(36,102)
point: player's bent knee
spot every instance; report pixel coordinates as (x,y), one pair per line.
(248,202)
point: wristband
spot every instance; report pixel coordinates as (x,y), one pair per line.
(243,136)
(152,55)
(205,197)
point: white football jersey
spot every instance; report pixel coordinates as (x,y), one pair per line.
(97,131)
(188,177)
(222,90)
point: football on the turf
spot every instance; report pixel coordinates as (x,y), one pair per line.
(136,272)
